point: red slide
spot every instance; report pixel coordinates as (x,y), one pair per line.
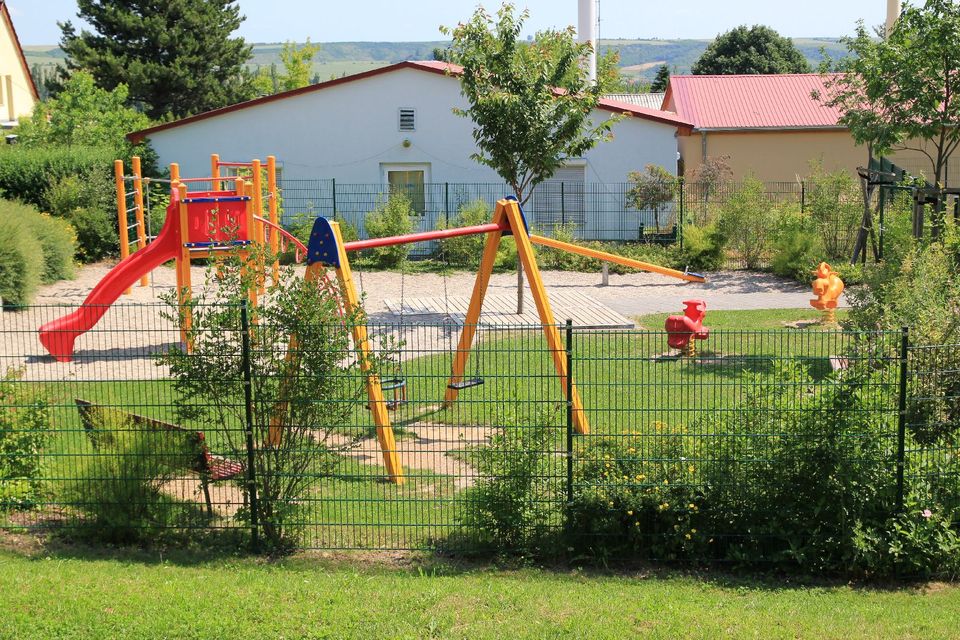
(58,336)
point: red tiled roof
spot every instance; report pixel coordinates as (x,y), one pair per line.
(432,66)
(751,101)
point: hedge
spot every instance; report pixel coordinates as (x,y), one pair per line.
(34,248)
(26,174)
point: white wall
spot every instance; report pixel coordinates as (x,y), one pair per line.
(346,131)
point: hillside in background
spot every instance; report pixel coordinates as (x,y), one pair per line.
(639,59)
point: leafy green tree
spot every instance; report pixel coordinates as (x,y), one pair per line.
(751,50)
(659,84)
(653,189)
(177,57)
(531,103)
(899,91)
(297,64)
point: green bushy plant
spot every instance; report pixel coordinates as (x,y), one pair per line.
(96,234)
(835,204)
(57,238)
(21,262)
(559,260)
(391,218)
(25,431)
(797,247)
(28,173)
(465,251)
(704,248)
(638,494)
(747,220)
(119,486)
(513,507)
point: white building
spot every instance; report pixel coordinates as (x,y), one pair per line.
(336,142)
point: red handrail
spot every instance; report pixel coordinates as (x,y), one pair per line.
(286,235)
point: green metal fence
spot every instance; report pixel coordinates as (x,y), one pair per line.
(669,436)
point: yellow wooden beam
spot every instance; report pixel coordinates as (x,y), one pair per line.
(273,206)
(612,257)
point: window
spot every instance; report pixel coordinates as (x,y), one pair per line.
(411,180)
(408,119)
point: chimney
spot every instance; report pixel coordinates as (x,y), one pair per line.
(587,32)
(893,14)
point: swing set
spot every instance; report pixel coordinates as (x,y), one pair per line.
(327,250)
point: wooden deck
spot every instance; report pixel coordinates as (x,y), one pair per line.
(501,310)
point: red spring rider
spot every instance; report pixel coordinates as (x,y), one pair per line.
(683,331)
(827,287)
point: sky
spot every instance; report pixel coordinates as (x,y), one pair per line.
(418,20)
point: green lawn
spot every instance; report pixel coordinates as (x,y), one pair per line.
(73,592)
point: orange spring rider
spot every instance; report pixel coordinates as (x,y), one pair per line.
(827,286)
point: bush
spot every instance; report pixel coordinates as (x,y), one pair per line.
(119,486)
(24,432)
(391,218)
(57,238)
(638,494)
(704,248)
(465,251)
(96,234)
(797,247)
(28,174)
(21,263)
(835,203)
(747,221)
(513,507)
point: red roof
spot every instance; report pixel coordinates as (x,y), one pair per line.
(751,101)
(431,66)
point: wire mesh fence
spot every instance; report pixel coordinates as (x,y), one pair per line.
(136,437)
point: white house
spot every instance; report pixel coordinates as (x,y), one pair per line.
(337,142)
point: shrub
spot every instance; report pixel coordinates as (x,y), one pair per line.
(703,248)
(391,218)
(638,494)
(119,486)
(305,436)
(559,260)
(797,247)
(27,174)
(747,220)
(835,203)
(57,238)
(465,251)
(652,189)
(21,262)
(96,234)
(513,507)
(24,432)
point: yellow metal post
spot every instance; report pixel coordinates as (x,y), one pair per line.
(183,266)
(273,204)
(378,406)
(260,230)
(539,293)
(215,171)
(174,174)
(138,203)
(122,224)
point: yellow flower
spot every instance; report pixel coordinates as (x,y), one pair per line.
(690,468)
(630,513)
(640,477)
(637,523)
(666,482)
(632,450)
(693,530)
(687,536)
(693,506)
(610,504)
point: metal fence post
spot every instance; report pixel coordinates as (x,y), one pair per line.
(248,424)
(563,205)
(446,203)
(902,413)
(803,196)
(569,392)
(333,186)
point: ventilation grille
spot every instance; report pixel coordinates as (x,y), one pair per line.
(408,120)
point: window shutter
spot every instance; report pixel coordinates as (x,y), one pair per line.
(408,120)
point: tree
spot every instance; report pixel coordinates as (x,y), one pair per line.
(659,84)
(896,92)
(177,57)
(83,114)
(297,63)
(751,50)
(652,189)
(530,103)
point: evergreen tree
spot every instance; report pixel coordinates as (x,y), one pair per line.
(751,50)
(177,57)
(659,84)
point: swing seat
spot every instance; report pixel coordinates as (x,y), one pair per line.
(390,384)
(466,383)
